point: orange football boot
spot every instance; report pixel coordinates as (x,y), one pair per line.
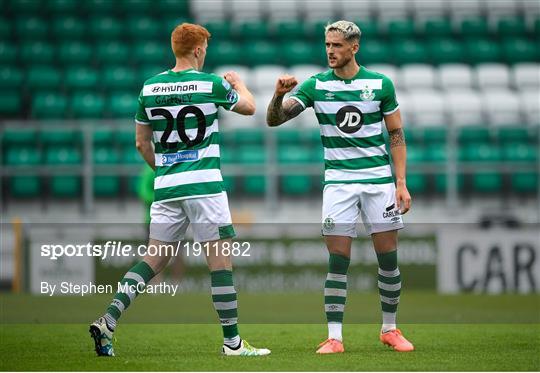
(396,340)
(331,346)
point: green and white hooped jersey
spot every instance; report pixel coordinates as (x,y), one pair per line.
(182,108)
(350,113)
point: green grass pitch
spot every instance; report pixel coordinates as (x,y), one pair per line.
(461,333)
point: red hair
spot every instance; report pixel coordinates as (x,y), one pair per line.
(186,37)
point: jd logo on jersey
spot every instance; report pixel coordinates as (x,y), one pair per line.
(349,119)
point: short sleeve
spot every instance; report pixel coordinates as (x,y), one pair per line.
(140,116)
(224,94)
(304,92)
(389,102)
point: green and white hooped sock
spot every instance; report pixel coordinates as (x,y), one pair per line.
(225,303)
(335,294)
(139,273)
(389,281)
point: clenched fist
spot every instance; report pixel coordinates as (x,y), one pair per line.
(233,78)
(285,83)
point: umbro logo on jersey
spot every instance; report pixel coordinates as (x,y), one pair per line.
(329,96)
(349,119)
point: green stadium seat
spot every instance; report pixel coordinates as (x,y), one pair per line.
(8,53)
(126,137)
(111,52)
(296,184)
(520,50)
(103,137)
(373,51)
(480,152)
(10,103)
(36,52)
(220,30)
(474,27)
(248,136)
(416,182)
(434,135)
(30,28)
(437,27)
(315,30)
(415,154)
(519,152)
(253,30)
(298,53)
(473,134)
(26,7)
(130,155)
(23,156)
(134,183)
(409,51)
(172,6)
(137,7)
(293,154)
(106,27)
(43,77)
(5,29)
(254,185)
(65,186)
(119,77)
(49,105)
(74,52)
(441,183)
(25,186)
(60,138)
(289,29)
(413,136)
(536,27)
(62,7)
(513,134)
(87,105)
(317,155)
(122,105)
(149,70)
(101,7)
(105,155)
(143,28)
(399,28)
(224,53)
(436,154)
(369,28)
(262,53)
(511,26)
(482,50)
(18,137)
(487,182)
(81,77)
(289,136)
(10,77)
(524,182)
(445,51)
(170,24)
(150,52)
(106,186)
(62,155)
(251,154)
(229,184)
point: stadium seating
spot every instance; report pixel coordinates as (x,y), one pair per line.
(472,64)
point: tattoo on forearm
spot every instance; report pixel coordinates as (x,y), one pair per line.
(279,112)
(397,138)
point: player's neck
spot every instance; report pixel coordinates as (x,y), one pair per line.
(185,64)
(348,71)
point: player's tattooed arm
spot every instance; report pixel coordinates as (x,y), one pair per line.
(397,137)
(279,112)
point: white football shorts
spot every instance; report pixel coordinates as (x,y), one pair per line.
(343,204)
(209,217)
